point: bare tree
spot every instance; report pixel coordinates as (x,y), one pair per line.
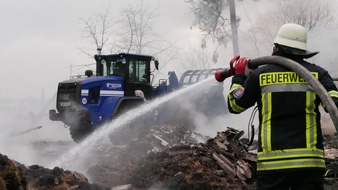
(212,18)
(308,13)
(218,23)
(138,35)
(98,30)
(132,32)
(198,59)
(136,32)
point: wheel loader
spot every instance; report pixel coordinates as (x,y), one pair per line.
(121,82)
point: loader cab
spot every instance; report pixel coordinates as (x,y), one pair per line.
(134,69)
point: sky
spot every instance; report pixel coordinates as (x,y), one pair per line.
(40,40)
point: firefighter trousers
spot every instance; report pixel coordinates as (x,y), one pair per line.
(295,180)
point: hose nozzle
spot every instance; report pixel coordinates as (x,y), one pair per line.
(222,74)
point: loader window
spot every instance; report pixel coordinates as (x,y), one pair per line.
(94,95)
(113,67)
(104,68)
(117,68)
(137,71)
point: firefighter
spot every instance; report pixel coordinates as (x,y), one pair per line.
(290,153)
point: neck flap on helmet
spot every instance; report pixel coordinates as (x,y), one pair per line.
(295,52)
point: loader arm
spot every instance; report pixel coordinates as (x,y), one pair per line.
(190,77)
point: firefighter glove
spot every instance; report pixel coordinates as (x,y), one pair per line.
(241,65)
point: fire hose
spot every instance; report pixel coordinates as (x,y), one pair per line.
(294,66)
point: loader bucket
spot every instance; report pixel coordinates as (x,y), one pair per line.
(193,76)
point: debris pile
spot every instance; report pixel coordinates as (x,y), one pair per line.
(14,175)
(331,155)
(173,157)
(331,146)
(160,157)
(170,157)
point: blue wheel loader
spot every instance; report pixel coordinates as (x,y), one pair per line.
(86,103)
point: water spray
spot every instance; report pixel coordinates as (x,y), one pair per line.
(20,133)
(65,160)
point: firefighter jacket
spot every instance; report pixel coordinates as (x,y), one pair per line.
(290,135)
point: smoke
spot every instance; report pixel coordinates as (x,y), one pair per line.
(202,107)
(28,136)
(324,40)
(260,21)
(205,110)
(43,145)
(199,106)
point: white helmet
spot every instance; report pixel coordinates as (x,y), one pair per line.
(292,35)
(292,39)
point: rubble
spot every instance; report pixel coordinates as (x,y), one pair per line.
(14,175)
(170,157)
(160,157)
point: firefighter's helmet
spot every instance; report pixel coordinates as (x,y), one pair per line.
(292,35)
(292,38)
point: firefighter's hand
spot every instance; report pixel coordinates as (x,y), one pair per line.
(241,67)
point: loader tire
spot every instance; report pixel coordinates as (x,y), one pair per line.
(78,134)
(125,134)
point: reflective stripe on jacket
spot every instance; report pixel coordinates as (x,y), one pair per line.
(290,134)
